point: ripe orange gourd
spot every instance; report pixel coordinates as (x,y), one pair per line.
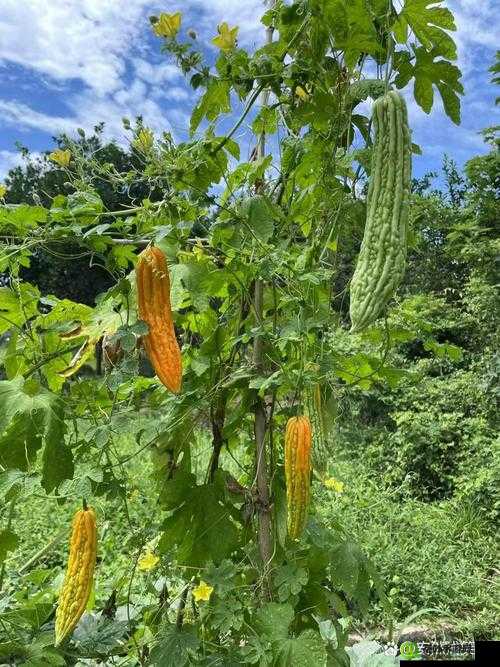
(298,439)
(153,297)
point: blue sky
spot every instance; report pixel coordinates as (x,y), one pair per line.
(73,63)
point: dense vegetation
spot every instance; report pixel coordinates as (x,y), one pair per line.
(194,563)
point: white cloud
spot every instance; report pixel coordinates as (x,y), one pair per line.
(71,39)
(22,116)
(155,74)
(103,47)
(9,160)
(90,40)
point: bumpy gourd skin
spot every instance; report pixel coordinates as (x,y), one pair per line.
(319,451)
(297,473)
(77,585)
(381,261)
(153,296)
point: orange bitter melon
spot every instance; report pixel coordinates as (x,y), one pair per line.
(79,577)
(153,298)
(298,440)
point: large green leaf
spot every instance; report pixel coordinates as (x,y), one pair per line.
(273,620)
(8,542)
(259,213)
(428,23)
(200,526)
(212,103)
(19,220)
(175,647)
(17,306)
(31,416)
(306,650)
(429,72)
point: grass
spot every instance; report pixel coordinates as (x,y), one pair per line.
(430,555)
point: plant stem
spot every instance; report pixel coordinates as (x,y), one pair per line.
(44,550)
(262,475)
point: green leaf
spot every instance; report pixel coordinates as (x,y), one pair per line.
(444,350)
(11,483)
(57,456)
(8,542)
(260,213)
(352,28)
(200,526)
(424,95)
(175,647)
(306,650)
(273,620)
(429,72)
(212,103)
(19,220)
(289,580)
(345,565)
(227,614)
(429,24)
(84,204)
(29,417)
(98,634)
(221,577)
(266,121)
(17,306)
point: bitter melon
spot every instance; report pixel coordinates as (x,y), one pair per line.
(79,576)
(297,473)
(381,262)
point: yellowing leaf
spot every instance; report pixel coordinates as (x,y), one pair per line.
(62,158)
(300,92)
(202,592)
(226,39)
(168,25)
(334,484)
(148,561)
(3,191)
(102,320)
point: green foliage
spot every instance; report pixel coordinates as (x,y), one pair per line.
(183,576)
(438,436)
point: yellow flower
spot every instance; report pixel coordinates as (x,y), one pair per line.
(61,157)
(168,25)
(144,140)
(300,92)
(148,561)
(226,39)
(3,191)
(332,483)
(202,592)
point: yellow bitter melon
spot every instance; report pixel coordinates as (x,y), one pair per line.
(297,473)
(381,262)
(79,577)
